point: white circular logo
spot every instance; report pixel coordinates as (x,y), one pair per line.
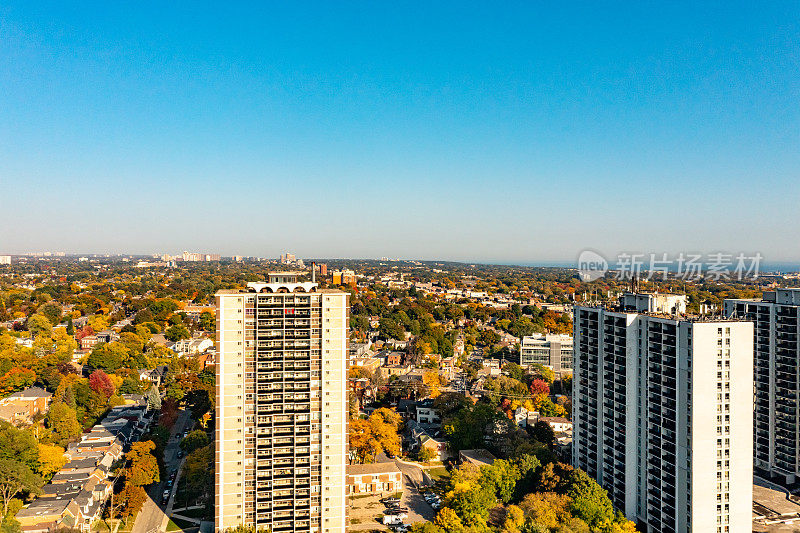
(591,265)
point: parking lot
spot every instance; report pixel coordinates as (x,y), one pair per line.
(366,512)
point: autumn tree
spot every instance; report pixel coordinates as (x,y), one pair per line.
(132,498)
(51,459)
(108,356)
(142,465)
(539,386)
(17,379)
(39,325)
(101,383)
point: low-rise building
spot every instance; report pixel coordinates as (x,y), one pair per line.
(479,457)
(192,346)
(552,351)
(437,445)
(559,424)
(375,478)
(22,406)
(426,414)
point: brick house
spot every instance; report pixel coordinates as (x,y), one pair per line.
(375,478)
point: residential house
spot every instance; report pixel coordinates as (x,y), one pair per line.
(192,346)
(479,457)
(426,414)
(559,424)
(436,445)
(375,478)
(22,406)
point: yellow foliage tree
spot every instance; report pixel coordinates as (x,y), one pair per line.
(51,459)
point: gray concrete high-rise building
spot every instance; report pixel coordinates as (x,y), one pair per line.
(281,426)
(776,419)
(662,413)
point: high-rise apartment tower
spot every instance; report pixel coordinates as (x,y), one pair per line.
(662,411)
(281,433)
(776,419)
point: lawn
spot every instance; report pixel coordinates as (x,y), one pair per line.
(176,524)
(438,473)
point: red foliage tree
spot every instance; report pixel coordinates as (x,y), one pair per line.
(101,383)
(539,386)
(169,413)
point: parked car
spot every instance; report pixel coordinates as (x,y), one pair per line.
(390,501)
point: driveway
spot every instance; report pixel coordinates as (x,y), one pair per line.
(413,477)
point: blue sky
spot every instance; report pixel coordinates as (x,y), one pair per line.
(518,132)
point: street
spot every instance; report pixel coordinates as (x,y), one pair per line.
(152,516)
(413,477)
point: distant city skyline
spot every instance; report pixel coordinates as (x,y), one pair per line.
(465,132)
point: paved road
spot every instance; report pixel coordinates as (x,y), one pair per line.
(152,515)
(413,477)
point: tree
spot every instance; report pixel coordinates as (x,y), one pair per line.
(194,440)
(543,372)
(176,333)
(16,476)
(377,433)
(142,465)
(514,371)
(426,454)
(70,327)
(18,444)
(130,385)
(546,508)
(153,399)
(208,321)
(17,379)
(540,386)
(132,341)
(542,432)
(199,473)
(51,311)
(448,520)
(63,420)
(590,502)
(51,459)
(108,356)
(132,497)
(101,383)
(38,324)
(432,381)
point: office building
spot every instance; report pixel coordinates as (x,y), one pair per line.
(554,351)
(776,445)
(5,259)
(662,413)
(281,436)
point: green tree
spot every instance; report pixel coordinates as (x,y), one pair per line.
(153,399)
(194,440)
(38,324)
(108,356)
(590,502)
(51,311)
(62,420)
(18,444)
(176,333)
(70,327)
(16,476)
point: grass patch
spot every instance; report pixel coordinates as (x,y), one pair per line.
(438,473)
(176,524)
(355,521)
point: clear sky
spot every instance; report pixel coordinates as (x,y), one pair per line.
(505,132)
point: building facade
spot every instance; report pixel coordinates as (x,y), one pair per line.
(661,414)
(281,437)
(554,351)
(776,421)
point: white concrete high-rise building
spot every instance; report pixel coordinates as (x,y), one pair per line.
(554,351)
(662,414)
(776,420)
(281,435)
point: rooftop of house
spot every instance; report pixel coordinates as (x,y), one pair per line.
(478,456)
(31,392)
(373,468)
